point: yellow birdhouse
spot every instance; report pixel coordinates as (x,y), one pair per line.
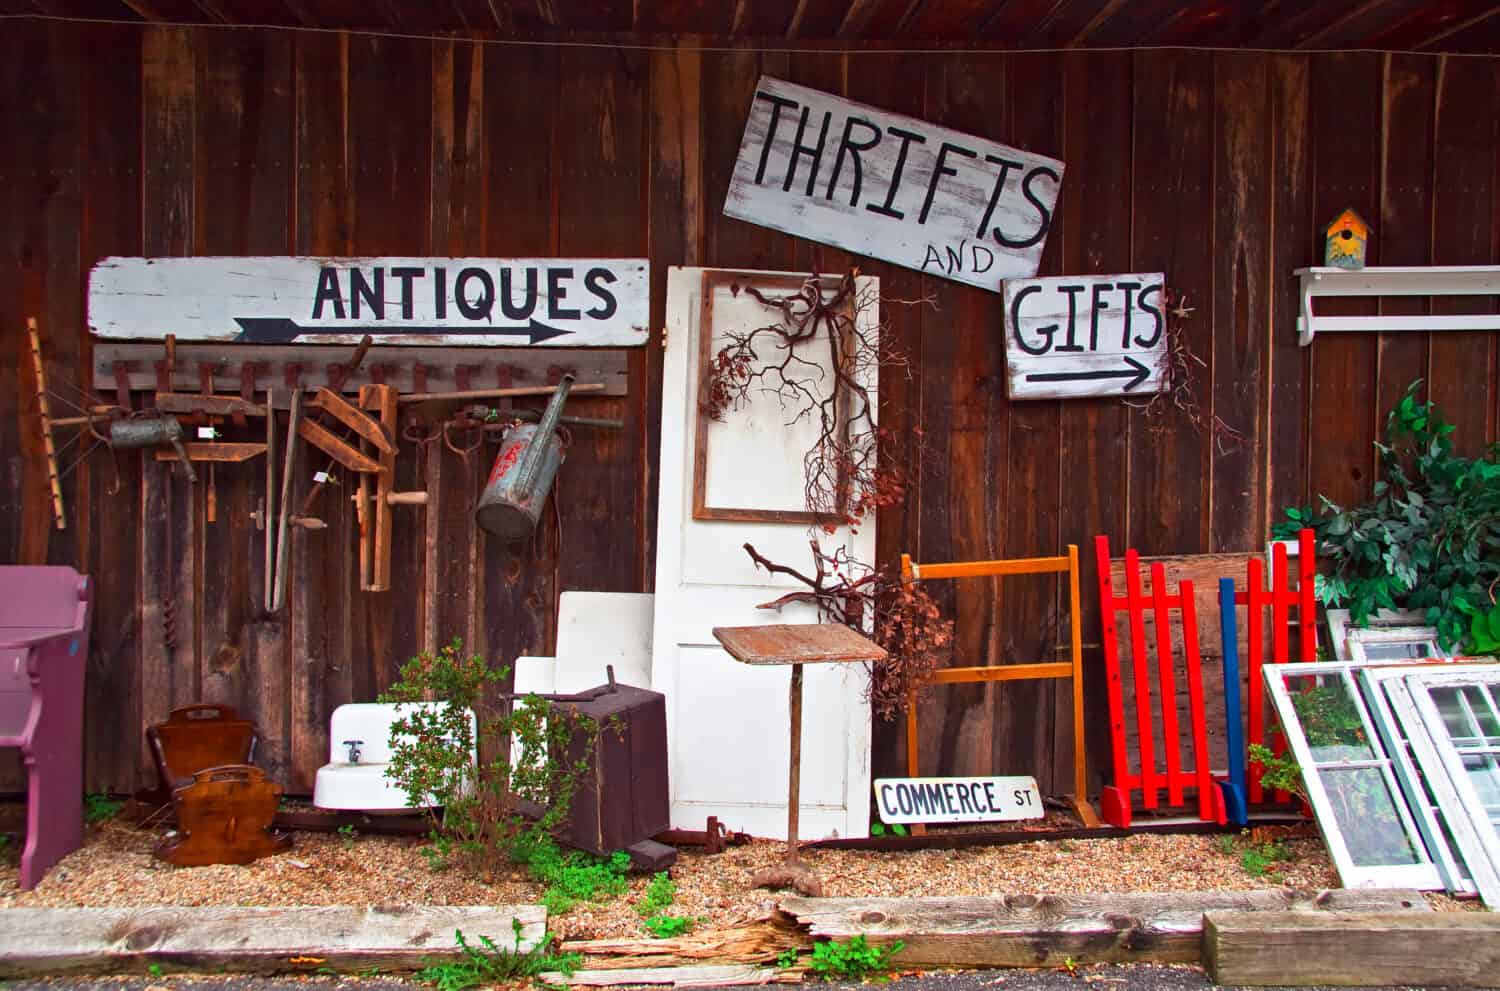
(1344,241)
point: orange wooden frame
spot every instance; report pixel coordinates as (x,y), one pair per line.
(1072,668)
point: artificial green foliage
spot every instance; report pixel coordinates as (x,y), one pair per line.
(881,829)
(1430,538)
(523,745)
(100,808)
(854,960)
(492,964)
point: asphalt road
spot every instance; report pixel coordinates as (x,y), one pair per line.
(1138,977)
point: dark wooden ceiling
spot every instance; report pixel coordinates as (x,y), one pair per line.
(1420,25)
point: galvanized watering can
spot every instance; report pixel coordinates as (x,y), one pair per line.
(523,473)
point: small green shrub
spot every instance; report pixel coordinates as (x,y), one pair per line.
(659,894)
(787,958)
(854,960)
(1280,773)
(100,808)
(668,926)
(572,876)
(1258,859)
(880,829)
(347,834)
(1226,844)
(492,964)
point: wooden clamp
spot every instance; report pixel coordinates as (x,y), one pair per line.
(345,454)
(375,520)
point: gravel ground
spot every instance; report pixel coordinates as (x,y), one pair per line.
(115,868)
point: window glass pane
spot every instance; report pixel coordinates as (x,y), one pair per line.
(1398,650)
(1485,777)
(1486,716)
(1452,710)
(1367,817)
(1329,717)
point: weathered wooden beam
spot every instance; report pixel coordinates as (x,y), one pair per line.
(1352,949)
(319,436)
(1031,931)
(355,419)
(227,451)
(191,402)
(53,941)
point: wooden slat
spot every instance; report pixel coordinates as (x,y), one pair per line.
(1352,949)
(1002,672)
(230,452)
(350,416)
(974,569)
(345,454)
(703,976)
(796,643)
(261,940)
(1032,931)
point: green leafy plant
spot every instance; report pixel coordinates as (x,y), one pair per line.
(787,958)
(571,876)
(346,833)
(100,808)
(492,964)
(854,959)
(1428,540)
(880,829)
(154,969)
(666,926)
(659,894)
(1258,858)
(1226,843)
(529,752)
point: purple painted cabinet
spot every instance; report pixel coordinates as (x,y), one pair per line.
(44,646)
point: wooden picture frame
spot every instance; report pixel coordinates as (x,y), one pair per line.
(781,284)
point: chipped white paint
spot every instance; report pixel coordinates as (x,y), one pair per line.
(892,187)
(559,302)
(1085,335)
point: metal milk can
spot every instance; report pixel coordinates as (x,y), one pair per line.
(529,458)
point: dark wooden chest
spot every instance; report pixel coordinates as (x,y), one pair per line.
(621,797)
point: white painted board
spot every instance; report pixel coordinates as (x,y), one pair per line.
(727,722)
(1085,335)
(892,187)
(985,799)
(516,302)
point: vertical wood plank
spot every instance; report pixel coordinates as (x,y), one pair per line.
(111,189)
(1346,154)
(1408,98)
(1172,231)
(1241,301)
(169,582)
(1033,719)
(1291,233)
(674,237)
(602,96)
(1094,434)
(321,583)
(964,418)
(520,101)
(243,191)
(390,168)
(454,582)
(1463,225)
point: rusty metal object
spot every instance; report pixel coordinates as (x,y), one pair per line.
(135,432)
(529,459)
(714,838)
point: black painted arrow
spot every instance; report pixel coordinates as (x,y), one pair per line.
(1137,373)
(280,330)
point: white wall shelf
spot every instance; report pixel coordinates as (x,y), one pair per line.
(1449,280)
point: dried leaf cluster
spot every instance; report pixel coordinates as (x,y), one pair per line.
(906,619)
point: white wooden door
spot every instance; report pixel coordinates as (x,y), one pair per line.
(728,722)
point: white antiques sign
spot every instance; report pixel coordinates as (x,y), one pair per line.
(567,302)
(1085,335)
(892,187)
(957,799)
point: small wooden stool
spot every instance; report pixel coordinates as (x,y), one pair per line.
(795,644)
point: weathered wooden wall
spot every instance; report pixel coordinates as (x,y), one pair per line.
(1213,167)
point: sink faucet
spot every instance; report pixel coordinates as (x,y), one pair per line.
(353,746)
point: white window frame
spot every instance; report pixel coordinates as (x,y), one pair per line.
(1359,639)
(1390,695)
(1341,625)
(1425,873)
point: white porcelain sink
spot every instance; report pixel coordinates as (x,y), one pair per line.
(363,784)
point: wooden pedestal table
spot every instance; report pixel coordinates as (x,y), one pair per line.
(795,644)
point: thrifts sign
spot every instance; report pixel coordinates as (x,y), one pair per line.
(957,799)
(892,187)
(1094,335)
(568,302)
